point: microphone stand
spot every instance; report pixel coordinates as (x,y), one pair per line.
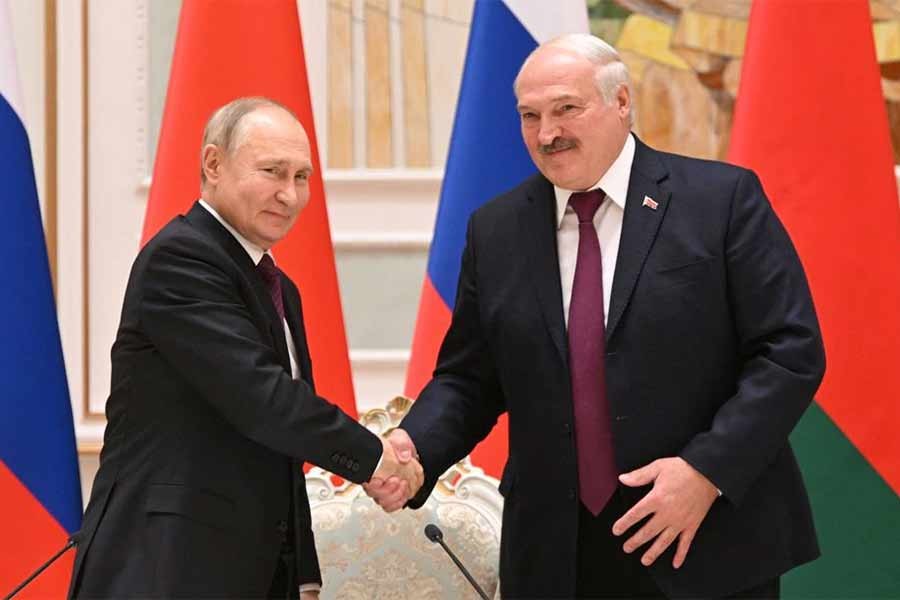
(70,543)
(434,533)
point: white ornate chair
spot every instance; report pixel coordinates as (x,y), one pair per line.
(365,553)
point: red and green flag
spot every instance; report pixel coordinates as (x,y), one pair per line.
(810,119)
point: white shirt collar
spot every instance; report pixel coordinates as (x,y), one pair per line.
(254,251)
(614,182)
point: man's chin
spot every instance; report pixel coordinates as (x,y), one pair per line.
(562,180)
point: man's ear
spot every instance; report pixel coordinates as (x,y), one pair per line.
(623,100)
(211,163)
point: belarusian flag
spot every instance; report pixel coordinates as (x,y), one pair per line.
(811,120)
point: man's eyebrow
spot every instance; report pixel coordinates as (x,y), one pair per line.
(559,98)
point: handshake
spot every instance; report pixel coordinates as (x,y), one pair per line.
(399,476)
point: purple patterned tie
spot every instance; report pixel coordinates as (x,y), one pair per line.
(597,475)
(272,278)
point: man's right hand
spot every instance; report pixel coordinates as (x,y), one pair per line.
(400,475)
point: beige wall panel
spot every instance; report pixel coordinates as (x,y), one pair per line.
(446,36)
(713,33)
(340,85)
(379,151)
(415,86)
(452,10)
(27,21)
(679,114)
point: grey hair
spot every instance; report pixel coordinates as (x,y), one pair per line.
(223,127)
(610,73)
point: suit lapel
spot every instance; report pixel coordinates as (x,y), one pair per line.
(538,220)
(639,227)
(203,219)
(293,312)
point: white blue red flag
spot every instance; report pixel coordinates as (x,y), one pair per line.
(40,493)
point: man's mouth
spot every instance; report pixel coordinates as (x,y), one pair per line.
(558,145)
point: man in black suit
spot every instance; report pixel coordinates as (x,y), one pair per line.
(644,320)
(200,491)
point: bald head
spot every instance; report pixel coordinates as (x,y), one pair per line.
(608,71)
(225,127)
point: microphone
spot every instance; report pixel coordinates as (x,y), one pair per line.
(70,543)
(434,533)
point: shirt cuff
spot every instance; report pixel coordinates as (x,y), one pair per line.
(310,587)
(380,460)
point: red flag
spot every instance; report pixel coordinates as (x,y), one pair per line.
(811,120)
(224,50)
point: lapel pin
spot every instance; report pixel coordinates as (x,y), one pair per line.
(648,201)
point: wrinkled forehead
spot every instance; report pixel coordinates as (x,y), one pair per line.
(269,125)
(551,68)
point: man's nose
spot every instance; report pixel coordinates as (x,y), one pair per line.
(548,132)
(287,194)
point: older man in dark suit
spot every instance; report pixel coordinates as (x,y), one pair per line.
(213,409)
(644,320)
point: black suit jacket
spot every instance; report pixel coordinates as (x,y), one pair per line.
(201,463)
(713,354)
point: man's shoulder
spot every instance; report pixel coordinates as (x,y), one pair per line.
(183,238)
(690,168)
(177,233)
(534,187)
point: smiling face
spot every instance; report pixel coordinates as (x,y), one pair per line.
(572,134)
(261,184)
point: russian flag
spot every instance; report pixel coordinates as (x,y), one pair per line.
(40,493)
(486,157)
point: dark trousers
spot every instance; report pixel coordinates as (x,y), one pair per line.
(284,582)
(605,571)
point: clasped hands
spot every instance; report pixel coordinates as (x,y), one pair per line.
(399,476)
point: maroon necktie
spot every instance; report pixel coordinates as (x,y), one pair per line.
(272,278)
(597,475)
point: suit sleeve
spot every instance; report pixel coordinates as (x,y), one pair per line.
(462,402)
(194,315)
(782,358)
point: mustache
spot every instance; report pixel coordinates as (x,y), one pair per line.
(559,143)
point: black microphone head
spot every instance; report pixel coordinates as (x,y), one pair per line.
(434,533)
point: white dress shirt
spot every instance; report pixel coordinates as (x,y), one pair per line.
(256,254)
(607,222)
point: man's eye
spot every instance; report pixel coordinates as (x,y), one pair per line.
(301,176)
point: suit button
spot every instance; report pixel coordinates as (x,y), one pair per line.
(282,526)
(567,429)
(335,457)
(571,494)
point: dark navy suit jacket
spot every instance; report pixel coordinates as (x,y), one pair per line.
(201,464)
(713,354)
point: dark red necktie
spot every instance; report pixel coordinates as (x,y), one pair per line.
(272,278)
(597,475)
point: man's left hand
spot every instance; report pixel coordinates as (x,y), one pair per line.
(309,595)
(678,503)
